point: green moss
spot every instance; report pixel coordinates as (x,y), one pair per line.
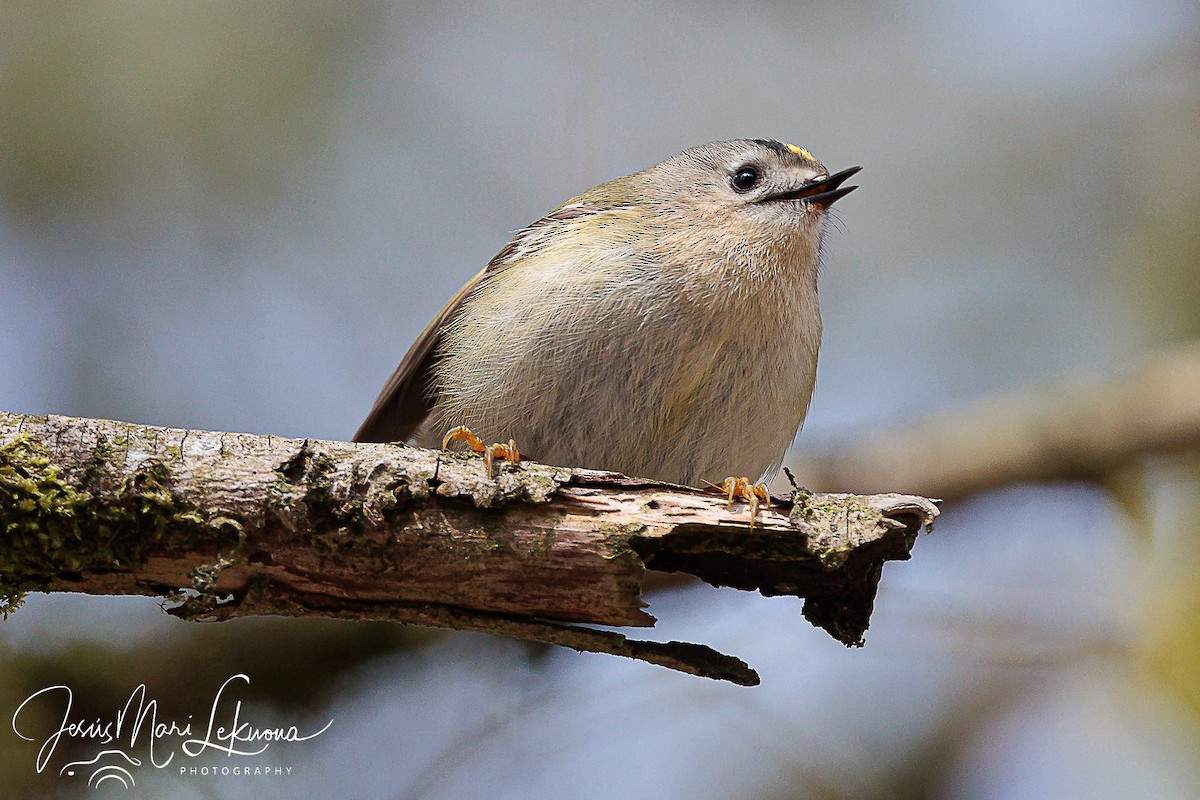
(205,576)
(802,501)
(50,527)
(540,488)
(619,535)
(831,523)
(338,513)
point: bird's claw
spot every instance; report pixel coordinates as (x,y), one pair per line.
(490,453)
(753,493)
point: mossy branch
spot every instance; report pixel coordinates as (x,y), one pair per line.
(228,524)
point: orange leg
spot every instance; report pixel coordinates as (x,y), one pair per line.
(753,493)
(489,452)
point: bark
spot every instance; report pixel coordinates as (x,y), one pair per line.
(1080,429)
(226,524)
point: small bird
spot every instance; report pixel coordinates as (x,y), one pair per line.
(663,324)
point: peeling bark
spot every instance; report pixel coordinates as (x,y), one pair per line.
(264,525)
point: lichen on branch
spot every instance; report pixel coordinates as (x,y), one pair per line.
(259,524)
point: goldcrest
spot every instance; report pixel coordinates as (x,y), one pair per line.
(664,324)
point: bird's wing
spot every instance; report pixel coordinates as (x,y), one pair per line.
(410,394)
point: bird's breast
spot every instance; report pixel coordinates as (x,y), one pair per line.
(631,374)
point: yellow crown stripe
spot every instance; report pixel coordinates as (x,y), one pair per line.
(800,151)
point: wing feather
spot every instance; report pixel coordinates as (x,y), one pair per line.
(410,393)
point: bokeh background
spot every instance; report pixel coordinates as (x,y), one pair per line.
(237,216)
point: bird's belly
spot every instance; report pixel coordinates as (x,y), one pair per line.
(658,405)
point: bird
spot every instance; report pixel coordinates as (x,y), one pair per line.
(664,324)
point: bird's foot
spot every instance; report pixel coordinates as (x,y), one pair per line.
(742,489)
(490,453)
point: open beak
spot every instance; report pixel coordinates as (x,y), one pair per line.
(822,192)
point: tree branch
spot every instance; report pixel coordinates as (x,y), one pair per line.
(264,525)
(1066,430)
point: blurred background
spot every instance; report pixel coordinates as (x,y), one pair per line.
(237,216)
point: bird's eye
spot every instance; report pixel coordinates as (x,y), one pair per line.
(745,179)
